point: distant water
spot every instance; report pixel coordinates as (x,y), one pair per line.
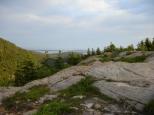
(62,51)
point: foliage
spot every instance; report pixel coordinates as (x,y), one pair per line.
(93,52)
(84,87)
(146,45)
(62,105)
(110,48)
(73,59)
(130,48)
(149,108)
(44,71)
(136,59)
(54,108)
(25,73)
(20,99)
(88,52)
(105,58)
(98,51)
(59,63)
(10,57)
(133,59)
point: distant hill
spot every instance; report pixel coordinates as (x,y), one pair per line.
(10,56)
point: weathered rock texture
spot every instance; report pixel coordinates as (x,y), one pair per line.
(133,83)
(129,82)
(56,82)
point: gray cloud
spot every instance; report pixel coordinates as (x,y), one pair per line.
(76,24)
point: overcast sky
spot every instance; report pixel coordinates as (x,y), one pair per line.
(75,24)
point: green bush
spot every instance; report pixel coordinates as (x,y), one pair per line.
(45,71)
(25,73)
(54,108)
(149,108)
(105,58)
(10,56)
(21,99)
(133,59)
(63,103)
(83,87)
(73,59)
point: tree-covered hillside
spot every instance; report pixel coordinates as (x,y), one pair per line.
(10,57)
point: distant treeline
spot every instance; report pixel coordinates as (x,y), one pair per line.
(144,45)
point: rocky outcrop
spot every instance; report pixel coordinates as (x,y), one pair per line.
(133,83)
(56,82)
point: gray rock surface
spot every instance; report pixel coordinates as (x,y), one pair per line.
(56,82)
(132,82)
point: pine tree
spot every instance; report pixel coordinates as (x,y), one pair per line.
(130,48)
(25,73)
(88,52)
(141,46)
(98,51)
(93,52)
(148,44)
(153,45)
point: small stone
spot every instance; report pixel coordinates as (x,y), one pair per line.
(75,108)
(89,105)
(78,97)
(97,106)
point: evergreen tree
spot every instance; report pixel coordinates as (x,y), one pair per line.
(153,45)
(141,46)
(121,49)
(88,52)
(98,51)
(25,73)
(148,44)
(74,59)
(110,48)
(130,48)
(59,63)
(93,52)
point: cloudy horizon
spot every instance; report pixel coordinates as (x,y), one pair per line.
(75,24)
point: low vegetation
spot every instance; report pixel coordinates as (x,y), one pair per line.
(21,100)
(10,57)
(135,59)
(65,100)
(149,108)
(55,108)
(19,66)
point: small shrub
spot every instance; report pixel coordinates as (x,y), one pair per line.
(105,58)
(84,87)
(45,71)
(149,108)
(133,59)
(54,108)
(62,104)
(25,73)
(73,59)
(21,99)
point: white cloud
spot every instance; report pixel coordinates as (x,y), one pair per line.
(105,17)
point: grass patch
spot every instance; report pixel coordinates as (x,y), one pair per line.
(19,100)
(64,101)
(54,108)
(149,108)
(124,59)
(133,59)
(84,87)
(105,58)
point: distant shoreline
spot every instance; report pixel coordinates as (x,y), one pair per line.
(62,51)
